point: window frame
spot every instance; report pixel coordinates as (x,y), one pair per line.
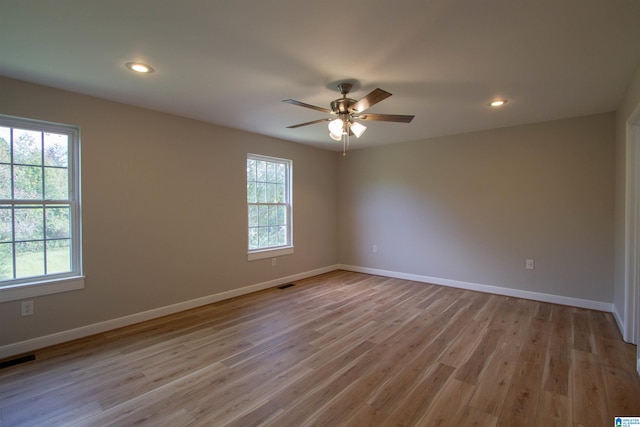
(274,251)
(27,287)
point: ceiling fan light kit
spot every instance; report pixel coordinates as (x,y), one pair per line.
(358,129)
(348,111)
(336,127)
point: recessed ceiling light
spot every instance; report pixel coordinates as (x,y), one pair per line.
(498,103)
(139,67)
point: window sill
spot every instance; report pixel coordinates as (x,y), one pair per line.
(269,253)
(44,287)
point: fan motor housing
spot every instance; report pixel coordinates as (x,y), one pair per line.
(342,105)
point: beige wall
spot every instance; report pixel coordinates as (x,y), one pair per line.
(473,207)
(630,102)
(164,217)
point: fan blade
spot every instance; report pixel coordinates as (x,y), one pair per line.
(370,100)
(302,104)
(308,123)
(399,118)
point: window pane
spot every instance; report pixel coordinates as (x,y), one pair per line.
(6,261)
(253,238)
(261,192)
(251,170)
(282,235)
(271,193)
(6,224)
(280,193)
(263,216)
(271,172)
(27,147)
(29,259)
(281,173)
(56,150)
(5,181)
(282,215)
(56,183)
(273,215)
(27,182)
(58,222)
(263,237)
(5,145)
(261,168)
(251,192)
(58,256)
(273,236)
(29,223)
(253,216)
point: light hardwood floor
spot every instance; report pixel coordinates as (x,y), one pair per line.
(338,349)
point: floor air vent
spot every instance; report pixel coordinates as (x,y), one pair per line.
(288,285)
(17,361)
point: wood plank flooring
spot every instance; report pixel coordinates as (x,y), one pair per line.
(340,349)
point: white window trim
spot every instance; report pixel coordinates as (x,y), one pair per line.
(40,288)
(269,253)
(54,283)
(257,254)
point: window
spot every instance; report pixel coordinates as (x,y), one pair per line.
(39,208)
(269,206)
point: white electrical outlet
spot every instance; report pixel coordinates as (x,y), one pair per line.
(27,308)
(529,264)
(374,248)
(274,261)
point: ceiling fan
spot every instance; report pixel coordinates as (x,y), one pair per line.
(348,111)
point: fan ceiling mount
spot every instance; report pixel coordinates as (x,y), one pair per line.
(346,111)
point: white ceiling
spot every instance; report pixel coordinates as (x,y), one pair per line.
(232,62)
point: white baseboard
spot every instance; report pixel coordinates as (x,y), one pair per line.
(96,328)
(536,296)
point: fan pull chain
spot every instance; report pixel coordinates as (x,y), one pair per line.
(345,139)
